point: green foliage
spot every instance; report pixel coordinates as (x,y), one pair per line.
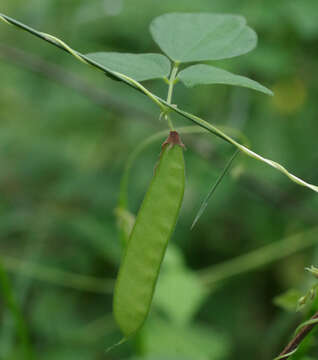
(195,342)
(137,66)
(206,75)
(303,15)
(188,38)
(288,300)
(176,284)
(165,357)
(198,37)
(62,158)
(19,322)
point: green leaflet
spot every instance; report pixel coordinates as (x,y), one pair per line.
(202,74)
(187,37)
(140,67)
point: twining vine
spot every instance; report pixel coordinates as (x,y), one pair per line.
(164,105)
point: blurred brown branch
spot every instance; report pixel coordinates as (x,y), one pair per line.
(66,78)
(297,339)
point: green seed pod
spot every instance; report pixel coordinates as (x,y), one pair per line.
(149,238)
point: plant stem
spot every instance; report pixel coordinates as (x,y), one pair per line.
(58,74)
(170,124)
(11,303)
(58,277)
(212,190)
(172,80)
(164,105)
(293,345)
(259,258)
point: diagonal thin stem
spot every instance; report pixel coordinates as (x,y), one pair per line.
(58,74)
(164,105)
(81,57)
(300,335)
(212,190)
(258,258)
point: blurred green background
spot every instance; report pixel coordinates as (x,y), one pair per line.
(65,134)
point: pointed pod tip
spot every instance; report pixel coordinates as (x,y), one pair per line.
(173,139)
